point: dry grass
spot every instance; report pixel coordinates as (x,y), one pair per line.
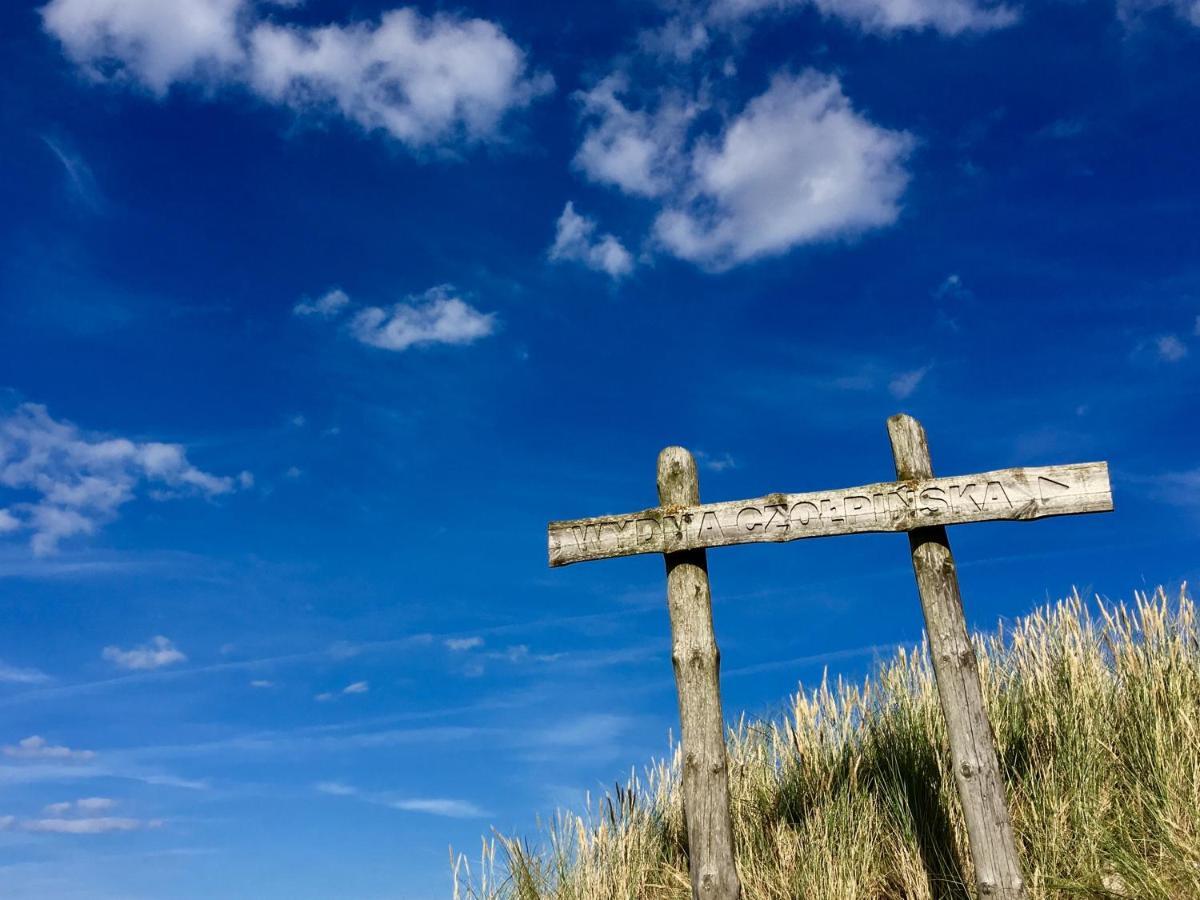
(1097,716)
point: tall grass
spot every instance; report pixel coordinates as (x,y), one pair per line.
(1096,710)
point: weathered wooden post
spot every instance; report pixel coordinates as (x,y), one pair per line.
(972,743)
(919,504)
(697,663)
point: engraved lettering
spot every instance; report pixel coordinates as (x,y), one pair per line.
(587,535)
(858,506)
(647,531)
(804,512)
(996,494)
(778,519)
(831,511)
(710,527)
(900,500)
(749,518)
(672,529)
(933,501)
(958,493)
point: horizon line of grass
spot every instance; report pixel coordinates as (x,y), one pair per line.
(850,795)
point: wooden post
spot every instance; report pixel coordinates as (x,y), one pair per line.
(697,663)
(972,743)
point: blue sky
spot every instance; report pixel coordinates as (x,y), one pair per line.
(313,313)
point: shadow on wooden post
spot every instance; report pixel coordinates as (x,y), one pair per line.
(972,743)
(697,664)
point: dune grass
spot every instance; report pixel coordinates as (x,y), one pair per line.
(1096,709)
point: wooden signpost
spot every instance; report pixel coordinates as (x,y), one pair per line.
(681,528)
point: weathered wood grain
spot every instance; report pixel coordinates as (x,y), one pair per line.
(697,664)
(972,743)
(916,502)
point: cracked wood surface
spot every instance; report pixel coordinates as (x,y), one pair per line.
(972,744)
(904,505)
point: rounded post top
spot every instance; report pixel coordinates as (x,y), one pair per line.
(677,481)
(910,449)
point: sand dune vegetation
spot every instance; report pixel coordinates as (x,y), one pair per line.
(1096,708)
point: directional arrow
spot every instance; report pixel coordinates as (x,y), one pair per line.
(1048,487)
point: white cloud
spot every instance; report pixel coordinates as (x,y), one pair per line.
(358,687)
(1129,10)
(37,747)
(455,809)
(83,804)
(575,240)
(80,180)
(1170,348)
(94,804)
(326,306)
(156,653)
(438,317)
(460,644)
(947,16)
(905,383)
(636,150)
(952,288)
(797,165)
(262,683)
(99,825)
(336,789)
(79,481)
(715,462)
(323,697)
(152,43)
(423,80)
(15,675)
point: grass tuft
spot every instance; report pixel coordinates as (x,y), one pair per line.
(850,795)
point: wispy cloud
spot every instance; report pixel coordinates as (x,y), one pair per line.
(460,644)
(905,384)
(80,481)
(715,462)
(37,747)
(80,181)
(15,675)
(326,306)
(435,806)
(159,651)
(950,17)
(1170,348)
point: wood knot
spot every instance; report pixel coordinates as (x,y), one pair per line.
(968,769)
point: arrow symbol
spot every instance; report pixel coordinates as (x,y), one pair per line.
(1050,488)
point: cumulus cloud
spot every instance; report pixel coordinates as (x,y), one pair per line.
(635,149)
(326,306)
(947,16)
(798,165)
(575,240)
(37,747)
(159,651)
(422,80)
(76,482)
(437,317)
